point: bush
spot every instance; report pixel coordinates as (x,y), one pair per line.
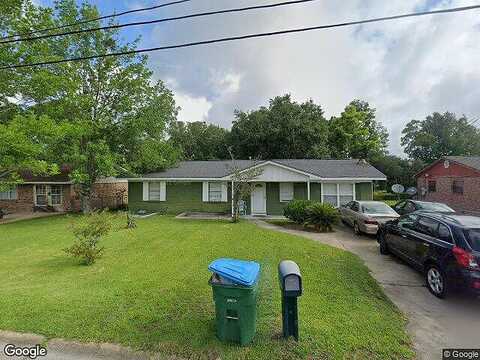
(382,196)
(296,210)
(88,231)
(322,216)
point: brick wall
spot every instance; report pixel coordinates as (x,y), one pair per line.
(104,195)
(468,201)
(23,203)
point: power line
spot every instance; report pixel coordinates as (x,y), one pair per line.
(149,22)
(96,19)
(249,36)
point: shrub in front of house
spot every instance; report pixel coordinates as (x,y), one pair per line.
(322,216)
(88,231)
(296,211)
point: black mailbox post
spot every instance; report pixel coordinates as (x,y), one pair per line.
(291,288)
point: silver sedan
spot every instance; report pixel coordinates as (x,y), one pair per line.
(366,216)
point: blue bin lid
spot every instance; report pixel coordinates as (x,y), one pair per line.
(239,271)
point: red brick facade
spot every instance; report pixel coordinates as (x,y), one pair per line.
(105,195)
(23,203)
(441,177)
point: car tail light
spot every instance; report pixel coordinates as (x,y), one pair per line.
(465,259)
(476,285)
(371,222)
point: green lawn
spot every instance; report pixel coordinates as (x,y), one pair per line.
(150,291)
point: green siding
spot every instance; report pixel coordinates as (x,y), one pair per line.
(274,206)
(315,192)
(363,191)
(181,197)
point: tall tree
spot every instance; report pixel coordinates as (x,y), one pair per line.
(398,170)
(117,116)
(356,133)
(284,129)
(440,135)
(199,140)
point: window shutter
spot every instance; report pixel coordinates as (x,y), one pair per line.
(205,191)
(145,191)
(224,192)
(163,191)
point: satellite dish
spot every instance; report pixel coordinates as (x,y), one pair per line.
(398,189)
(411,191)
(446,164)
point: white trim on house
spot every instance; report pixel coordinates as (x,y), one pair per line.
(270,162)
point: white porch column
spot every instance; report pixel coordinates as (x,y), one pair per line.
(308,189)
(354,192)
(232,199)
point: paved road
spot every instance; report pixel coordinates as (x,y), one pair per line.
(433,323)
(63,350)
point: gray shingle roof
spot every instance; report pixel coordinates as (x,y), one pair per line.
(471,161)
(322,168)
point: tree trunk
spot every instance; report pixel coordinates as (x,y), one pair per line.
(85,199)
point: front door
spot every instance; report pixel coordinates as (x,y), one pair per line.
(259,199)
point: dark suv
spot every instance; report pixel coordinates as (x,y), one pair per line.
(446,247)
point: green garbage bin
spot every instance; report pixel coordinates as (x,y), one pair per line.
(235,306)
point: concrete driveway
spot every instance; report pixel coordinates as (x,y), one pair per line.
(434,324)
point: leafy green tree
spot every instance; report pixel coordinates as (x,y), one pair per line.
(25,143)
(440,135)
(398,170)
(356,133)
(284,129)
(199,140)
(115,116)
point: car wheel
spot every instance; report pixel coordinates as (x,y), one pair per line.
(436,281)
(356,229)
(383,244)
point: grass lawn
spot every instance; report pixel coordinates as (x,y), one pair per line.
(150,291)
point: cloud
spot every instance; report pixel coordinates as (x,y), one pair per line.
(406,69)
(191,108)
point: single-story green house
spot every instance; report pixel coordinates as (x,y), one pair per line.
(206,186)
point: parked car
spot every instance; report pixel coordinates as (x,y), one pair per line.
(365,216)
(409,206)
(446,247)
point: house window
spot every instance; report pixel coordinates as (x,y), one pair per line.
(48,195)
(432,186)
(154,191)
(215,192)
(346,193)
(286,192)
(330,194)
(457,187)
(41,195)
(56,195)
(10,194)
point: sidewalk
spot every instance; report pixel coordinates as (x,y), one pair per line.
(58,349)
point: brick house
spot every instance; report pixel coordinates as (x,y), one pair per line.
(453,180)
(58,193)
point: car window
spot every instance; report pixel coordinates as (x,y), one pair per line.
(355,207)
(407,221)
(400,205)
(427,226)
(409,207)
(434,207)
(377,208)
(349,205)
(444,233)
(473,238)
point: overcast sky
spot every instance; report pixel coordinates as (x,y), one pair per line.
(406,69)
